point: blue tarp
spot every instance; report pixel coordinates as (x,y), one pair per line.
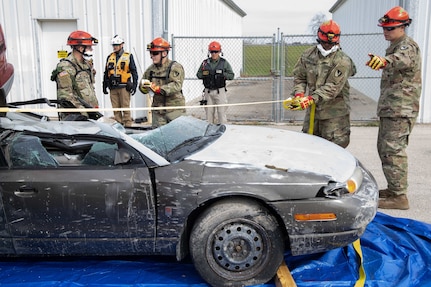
(396,252)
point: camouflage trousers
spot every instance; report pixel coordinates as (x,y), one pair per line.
(336,130)
(392,142)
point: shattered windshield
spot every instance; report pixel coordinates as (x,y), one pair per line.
(181,137)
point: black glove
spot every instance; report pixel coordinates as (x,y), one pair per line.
(129,86)
(105,87)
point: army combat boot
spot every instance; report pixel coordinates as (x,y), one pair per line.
(394,202)
(384,193)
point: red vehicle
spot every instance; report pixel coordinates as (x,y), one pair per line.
(6,71)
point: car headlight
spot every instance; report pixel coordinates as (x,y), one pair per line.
(351,185)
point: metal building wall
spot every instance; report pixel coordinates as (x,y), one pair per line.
(209,18)
(137,21)
(23,22)
(422,35)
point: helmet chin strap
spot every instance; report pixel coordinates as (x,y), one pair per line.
(161,59)
(86,56)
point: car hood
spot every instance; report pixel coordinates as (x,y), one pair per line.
(280,149)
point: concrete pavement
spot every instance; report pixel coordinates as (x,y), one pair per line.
(363,145)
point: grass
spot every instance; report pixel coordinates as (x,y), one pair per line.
(258,59)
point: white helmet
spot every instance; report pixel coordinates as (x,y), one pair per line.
(117,40)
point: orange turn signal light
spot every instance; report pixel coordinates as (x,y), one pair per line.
(315,216)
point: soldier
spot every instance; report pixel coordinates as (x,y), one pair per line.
(75,76)
(165,78)
(398,104)
(214,71)
(121,77)
(324,69)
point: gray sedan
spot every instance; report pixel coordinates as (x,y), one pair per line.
(235,198)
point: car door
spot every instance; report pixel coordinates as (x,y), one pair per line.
(80,203)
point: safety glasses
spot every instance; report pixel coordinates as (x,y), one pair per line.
(214,52)
(154,53)
(389,28)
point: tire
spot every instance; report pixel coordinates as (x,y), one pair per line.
(236,242)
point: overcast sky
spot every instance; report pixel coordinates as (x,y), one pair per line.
(291,16)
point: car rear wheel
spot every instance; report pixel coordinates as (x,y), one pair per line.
(236,242)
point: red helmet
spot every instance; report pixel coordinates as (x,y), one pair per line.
(83,38)
(159,44)
(395,17)
(329,32)
(214,46)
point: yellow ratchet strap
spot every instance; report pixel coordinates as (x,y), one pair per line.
(312,113)
(361,280)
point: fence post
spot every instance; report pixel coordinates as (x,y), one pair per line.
(282,75)
(275,74)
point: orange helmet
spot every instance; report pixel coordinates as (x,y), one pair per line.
(395,17)
(159,44)
(329,32)
(214,46)
(77,38)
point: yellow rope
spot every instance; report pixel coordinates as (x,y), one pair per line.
(63,110)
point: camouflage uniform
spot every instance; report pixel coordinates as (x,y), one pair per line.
(398,107)
(326,79)
(75,82)
(170,91)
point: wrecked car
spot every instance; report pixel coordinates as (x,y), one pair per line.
(234,198)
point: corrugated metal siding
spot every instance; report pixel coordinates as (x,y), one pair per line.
(209,18)
(137,21)
(422,34)
(103,19)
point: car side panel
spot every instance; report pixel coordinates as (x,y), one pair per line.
(75,211)
(6,244)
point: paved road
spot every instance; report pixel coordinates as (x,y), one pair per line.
(363,145)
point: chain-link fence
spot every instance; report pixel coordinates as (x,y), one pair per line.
(263,74)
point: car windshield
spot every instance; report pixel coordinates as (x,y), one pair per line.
(180,138)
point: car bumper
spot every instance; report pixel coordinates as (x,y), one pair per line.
(353,214)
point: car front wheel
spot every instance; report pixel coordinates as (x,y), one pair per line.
(236,242)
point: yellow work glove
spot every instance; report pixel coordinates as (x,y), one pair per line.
(376,62)
(144,86)
(291,103)
(155,88)
(304,103)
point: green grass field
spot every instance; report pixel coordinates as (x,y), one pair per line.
(258,59)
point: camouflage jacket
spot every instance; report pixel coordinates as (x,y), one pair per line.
(401,83)
(327,81)
(170,85)
(75,81)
